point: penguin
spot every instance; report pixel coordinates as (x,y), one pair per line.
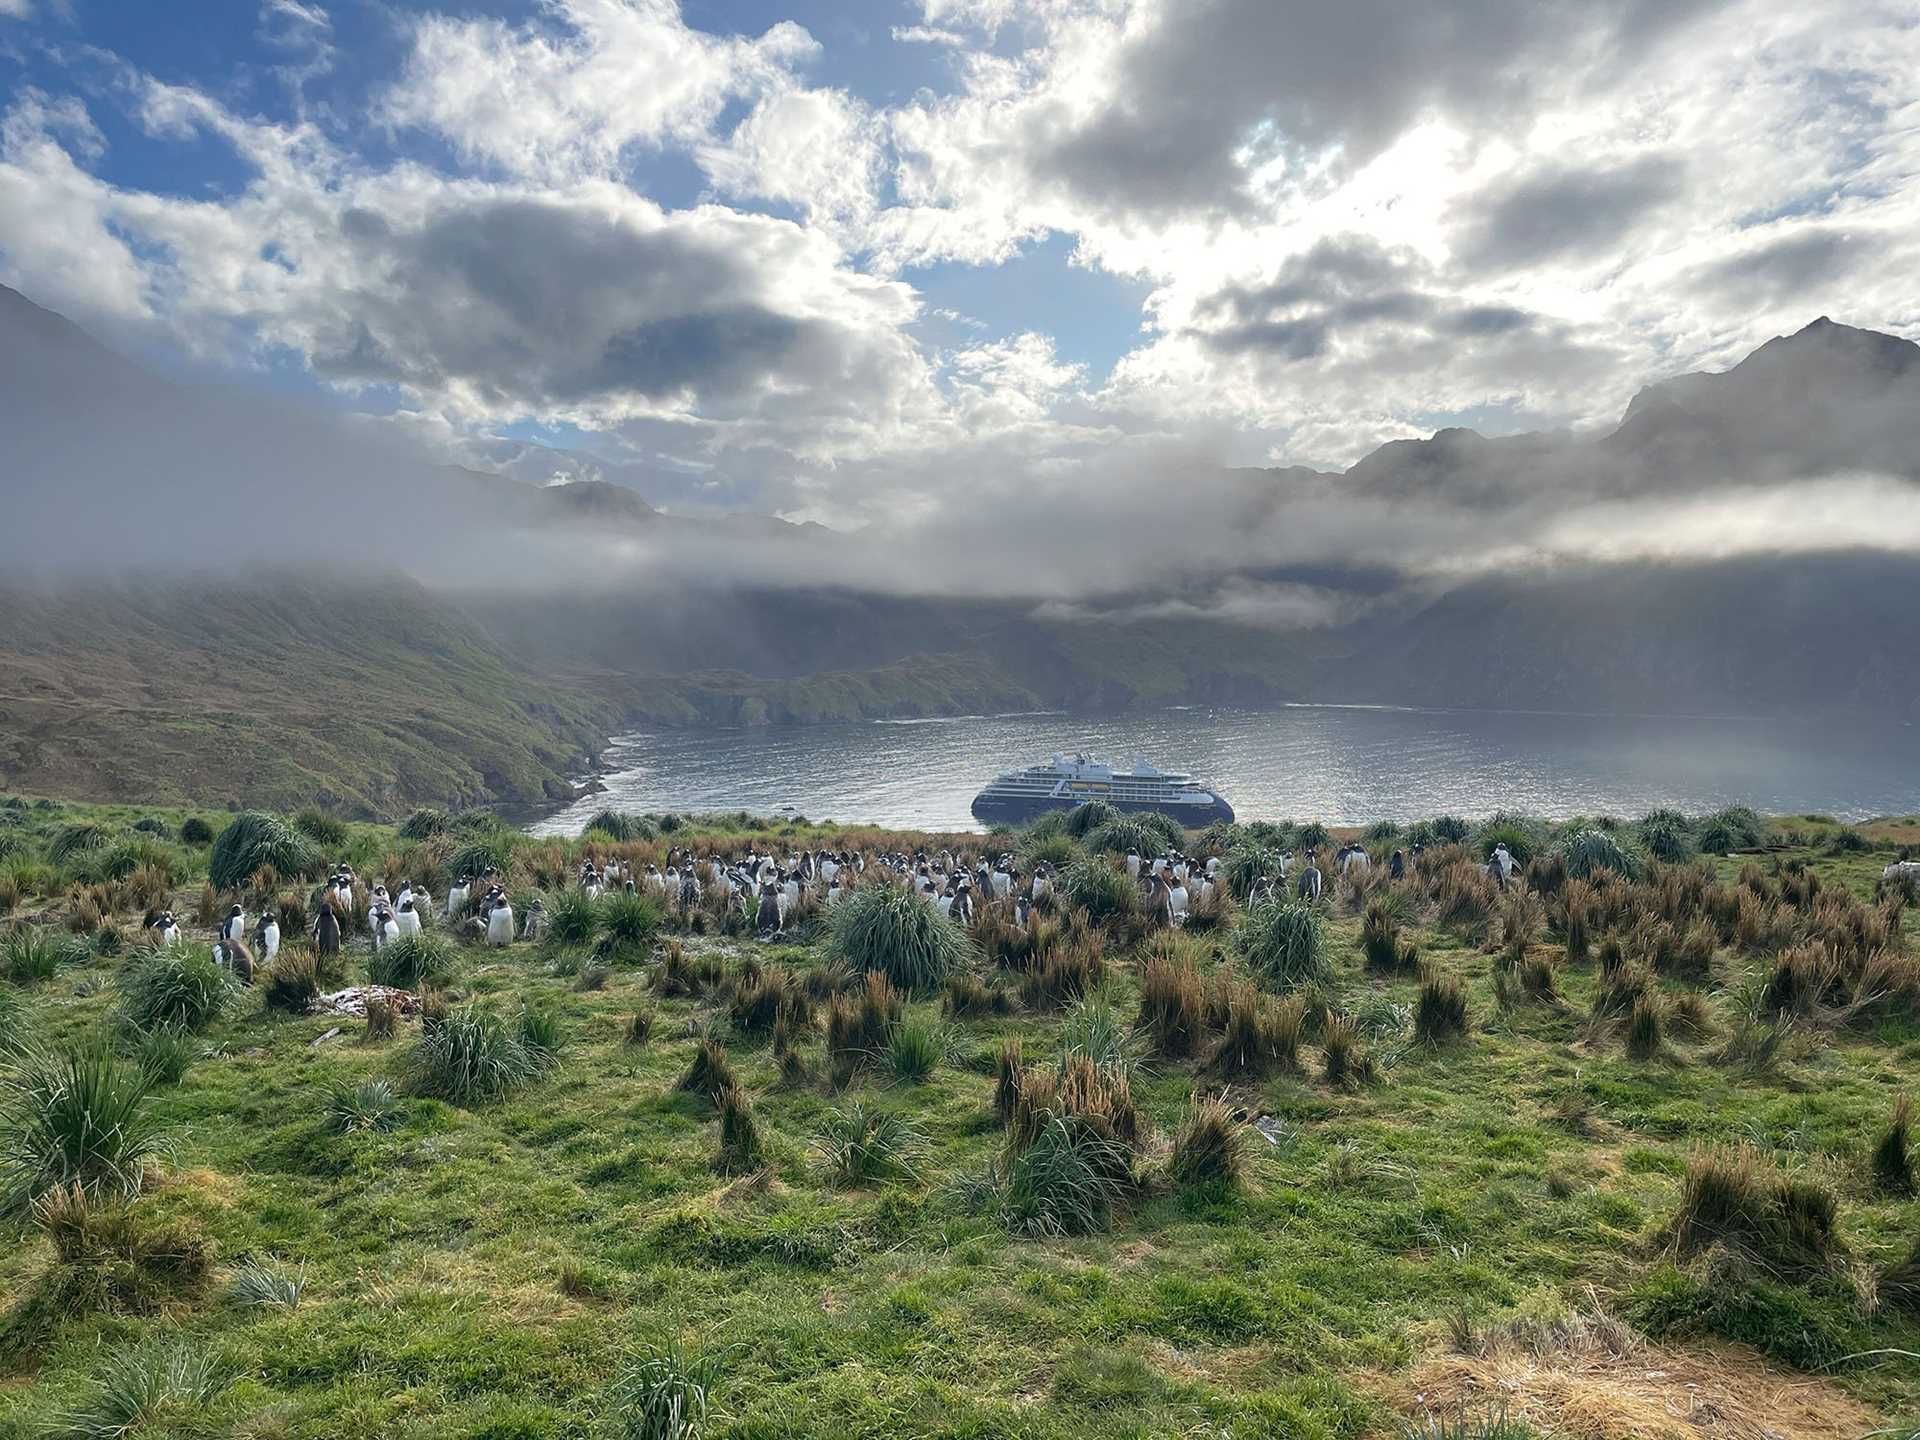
(1397,866)
(407,918)
(1310,882)
(235,926)
(500,923)
(169,931)
(1022,911)
(326,931)
(385,928)
(266,936)
(1133,865)
(1177,898)
(457,896)
(767,918)
(1042,881)
(535,926)
(1159,901)
(233,956)
(962,907)
(943,902)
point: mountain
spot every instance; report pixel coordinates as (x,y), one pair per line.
(224,597)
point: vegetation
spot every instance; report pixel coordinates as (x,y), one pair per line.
(256,840)
(1135,1188)
(887,929)
(74,1116)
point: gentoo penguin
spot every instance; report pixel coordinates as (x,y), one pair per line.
(689,888)
(535,925)
(385,928)
(655,881)
(406,917)
(233,956)
(235,925)
(326,931)
(1022,910)
(962,909)
(1042,881)
(168,930)
(457,897)
(767,919)
(1397,866)
(1133,864)
(1176,896)
(266,936)
(1310,882)
(1159,901)
(1503,857)
(500,922)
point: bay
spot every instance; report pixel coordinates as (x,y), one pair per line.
(1338,764)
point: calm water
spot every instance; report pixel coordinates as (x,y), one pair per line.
(1337,764)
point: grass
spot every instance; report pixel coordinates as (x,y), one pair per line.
(472,1056)
(1005,1277)
(415,962)
(179,987)
(255,840)
(863,1145)
(1285,944)
(1210,1146)
(148,1388)
(889,930)
(662,1393)
(75,1115)
(262,1285)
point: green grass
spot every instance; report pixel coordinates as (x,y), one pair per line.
(878,1258)
(75,1114)
(890,930)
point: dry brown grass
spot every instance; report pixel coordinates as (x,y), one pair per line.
(1600,1389)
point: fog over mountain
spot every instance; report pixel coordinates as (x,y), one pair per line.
(1082,353)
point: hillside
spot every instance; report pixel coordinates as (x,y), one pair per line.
(475,639)
(1606,1152)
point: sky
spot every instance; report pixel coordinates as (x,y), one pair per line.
(873,260)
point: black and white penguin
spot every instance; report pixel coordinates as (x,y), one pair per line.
(167,928)
(266,936)
(1397,866)
(384,927)
(326,931)
(1310,882)
(406,917)
(457,897)
(500,923)
(767,918)
(535,925)
(1159,901)
(233,956)
(1133,864)
(962,908)
(235,925)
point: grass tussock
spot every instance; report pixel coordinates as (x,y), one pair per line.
(1441,1012)
(1210,1147)
(1261,1035)
(179,986)
(863,1145)
(710,1074)
(1284,944)
(472,1055)
(1892,1164)
(890,930)
(415,962)
(1735,1197)
(75,1116)
(662,1393)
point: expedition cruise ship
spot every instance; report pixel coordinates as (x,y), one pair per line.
(1069,780)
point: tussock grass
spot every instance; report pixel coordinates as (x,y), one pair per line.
(1284,944)
(1103,890)
(1210,1146)
(470,1056)
(415,962)
(1892,1164)
(863,1144)
(29,953)
(888,929)
(661,1393)
(1736,1197)
(915,1049)
(711,1072)
(156,1386)
(164,1055)
(256,839)
(179,987)
(368,1104)
(292,985)
(742,1142)
(261,1285)
(1441,1012)
(75,1116)
(1260,1035)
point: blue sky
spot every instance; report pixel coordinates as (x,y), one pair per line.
(825,256)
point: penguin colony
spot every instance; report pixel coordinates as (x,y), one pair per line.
(772,887)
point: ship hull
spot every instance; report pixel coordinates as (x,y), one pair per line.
(990,809)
